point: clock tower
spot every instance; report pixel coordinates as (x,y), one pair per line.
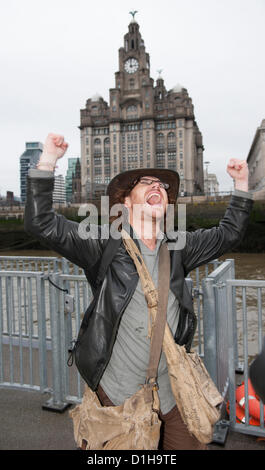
(133,60)
(133,82)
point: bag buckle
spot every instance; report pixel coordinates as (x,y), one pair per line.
(154,385)
(152,298)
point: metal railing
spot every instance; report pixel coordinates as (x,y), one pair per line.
(245,309)
(69,318)
(39,321)
(215,324)
(34,344)
(197,276)
(22,331)
(38,326)
(30,263)
(48,264)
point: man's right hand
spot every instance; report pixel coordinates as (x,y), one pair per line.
(53,149)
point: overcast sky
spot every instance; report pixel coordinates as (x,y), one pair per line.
(55,54)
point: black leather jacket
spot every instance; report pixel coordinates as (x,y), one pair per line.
(121,279)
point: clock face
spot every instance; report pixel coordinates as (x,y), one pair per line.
(131,65)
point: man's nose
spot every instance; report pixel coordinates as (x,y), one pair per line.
(155,184)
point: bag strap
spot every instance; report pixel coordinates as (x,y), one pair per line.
(156,299)
(159,328)
(109,252)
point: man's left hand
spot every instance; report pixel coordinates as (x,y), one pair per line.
(238,170)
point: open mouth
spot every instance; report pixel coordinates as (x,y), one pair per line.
(154,199)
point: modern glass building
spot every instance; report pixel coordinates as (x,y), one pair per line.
(28,160)
(59,196)
(69,177)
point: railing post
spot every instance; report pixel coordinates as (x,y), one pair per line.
(209,327)
(231,353)
(1,333)
(42,331)
(56,402)
(239,366)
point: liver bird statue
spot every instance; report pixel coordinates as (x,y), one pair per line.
(133,13)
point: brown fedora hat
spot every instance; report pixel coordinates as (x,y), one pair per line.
(123,181)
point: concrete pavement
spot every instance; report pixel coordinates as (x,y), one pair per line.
(24,425)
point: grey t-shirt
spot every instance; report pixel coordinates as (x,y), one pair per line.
(129,361)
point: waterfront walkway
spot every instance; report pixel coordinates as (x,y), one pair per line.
(24,425)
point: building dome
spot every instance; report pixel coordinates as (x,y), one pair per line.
(96,97)
(177,88)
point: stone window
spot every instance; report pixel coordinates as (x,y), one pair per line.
(97,160)
(107,146)
(131,109)
(171,140)
(160,141)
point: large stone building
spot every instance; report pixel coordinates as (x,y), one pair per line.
(256,160)
(211,185)
(143,126)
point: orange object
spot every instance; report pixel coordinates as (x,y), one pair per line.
(240,415)
(253,400)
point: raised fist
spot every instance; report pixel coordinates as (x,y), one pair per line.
(238,170)
(54,148)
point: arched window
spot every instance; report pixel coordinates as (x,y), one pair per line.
(160,137)
(171,140)
(171,136)
(107,146)
(160,140)
(97,147)
(132,109)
